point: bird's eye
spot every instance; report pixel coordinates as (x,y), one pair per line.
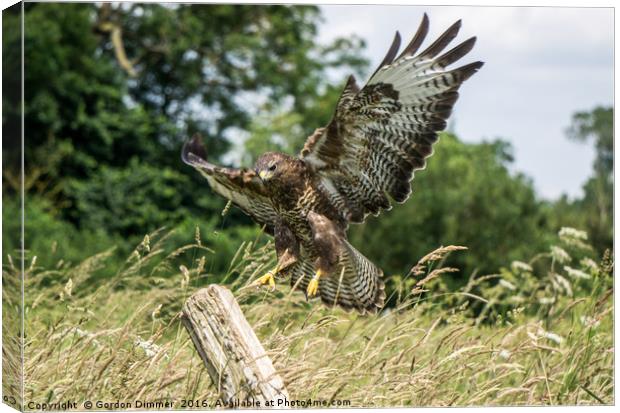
(272,167)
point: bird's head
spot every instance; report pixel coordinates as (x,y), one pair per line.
(272,166)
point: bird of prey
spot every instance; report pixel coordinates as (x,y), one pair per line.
(366,155)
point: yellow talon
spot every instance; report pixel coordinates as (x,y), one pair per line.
(313,285)
(267,278)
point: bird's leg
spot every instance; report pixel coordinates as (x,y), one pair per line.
(287,250)
(313,285)
(327,236)
(268,278)
(287,259)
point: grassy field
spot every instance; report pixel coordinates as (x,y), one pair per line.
(538,332)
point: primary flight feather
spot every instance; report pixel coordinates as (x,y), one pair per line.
(377,137)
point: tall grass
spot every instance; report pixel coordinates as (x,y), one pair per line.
(538,332)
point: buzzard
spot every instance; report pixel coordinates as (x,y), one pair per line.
(378,136)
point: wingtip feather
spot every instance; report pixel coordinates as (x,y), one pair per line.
(389,57)
(457,52)
(443,40)
(417,39)
(469,70)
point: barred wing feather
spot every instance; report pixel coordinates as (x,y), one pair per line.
(242,186)
(381,134)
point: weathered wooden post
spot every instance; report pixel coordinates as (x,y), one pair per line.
(235,359)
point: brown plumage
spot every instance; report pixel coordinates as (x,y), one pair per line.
(378,136)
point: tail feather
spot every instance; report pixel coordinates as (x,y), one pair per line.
(356,283)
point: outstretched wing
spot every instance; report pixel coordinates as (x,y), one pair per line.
(242,186)
(381,134)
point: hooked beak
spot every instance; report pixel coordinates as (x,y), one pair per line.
(264,175)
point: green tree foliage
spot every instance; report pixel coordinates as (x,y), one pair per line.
(209,66)
(596,207)
(287,130)
(54,241)
(114,89)
(11,93)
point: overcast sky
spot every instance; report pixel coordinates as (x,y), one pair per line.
(541,65)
